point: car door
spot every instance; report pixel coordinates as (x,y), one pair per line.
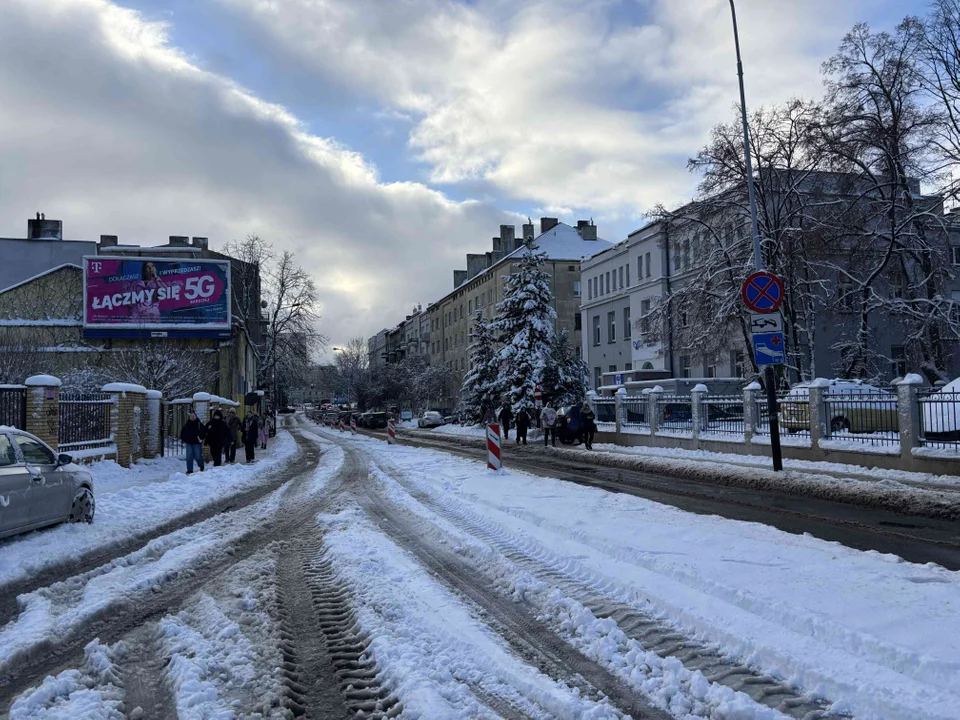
(14,488)
(51,490)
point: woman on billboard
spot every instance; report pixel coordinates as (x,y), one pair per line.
(148,310)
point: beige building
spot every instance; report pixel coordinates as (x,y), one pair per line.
(480,287)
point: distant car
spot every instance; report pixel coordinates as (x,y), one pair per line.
(851,406)
(430,419)
(286,410)
(377,420)
(38,486)
(331,418)
(363,418)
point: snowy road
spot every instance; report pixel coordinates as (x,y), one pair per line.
(405,581)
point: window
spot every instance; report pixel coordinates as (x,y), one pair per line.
(684,366)
(628,274)
(627,366)
(577,322)
(470,306)
(899,356)
(896,283)
(846,297)
(589,289)
(489,296)
(596,329)
(7,455)
(572,268)
(597,378)
(683,319)
(955,255)
(611,327)
(576,288)
(640,268)
(621,277)
(34,452)
(626,323)
(710,368)
(644,317)
(607,290)
(612,368)
(647,260)
(738,362)
(579,353)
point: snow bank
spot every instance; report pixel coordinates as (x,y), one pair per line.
(478,431)
(46,380)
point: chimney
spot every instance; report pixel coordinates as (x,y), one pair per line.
(476,264)
(180,240)
(200,242)
(588,232)
(497,246)
(507,235)
(43,229)
(528,232)
(547,224)
(459,277)
(108,241)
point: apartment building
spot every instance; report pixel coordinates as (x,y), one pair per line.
(480,287)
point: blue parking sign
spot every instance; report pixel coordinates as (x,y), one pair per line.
(768,349)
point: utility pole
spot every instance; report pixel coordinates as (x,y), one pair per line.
(768,376)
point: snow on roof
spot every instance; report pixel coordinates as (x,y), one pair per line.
(563,242)
(45,380)
(59,322)
(40,275)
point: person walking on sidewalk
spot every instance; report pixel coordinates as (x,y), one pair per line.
(251,435)
(588,427)
(523,424)
(191,435)
(264,431)
(488,417)
(218,435)
(548,421)
(235,427)
(506,416)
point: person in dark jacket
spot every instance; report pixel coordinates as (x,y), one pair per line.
(218,435)
(506,417)
(587,425)
(523,423)
(235,426)
(251,434)
(191,435)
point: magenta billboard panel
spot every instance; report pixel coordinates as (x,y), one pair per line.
(154,294)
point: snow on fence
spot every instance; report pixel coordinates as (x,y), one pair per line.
(13,406)
(85,421)
(939,419)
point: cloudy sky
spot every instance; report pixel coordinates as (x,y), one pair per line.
(381,140)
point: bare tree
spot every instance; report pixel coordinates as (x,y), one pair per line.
(353,372)
(175,369)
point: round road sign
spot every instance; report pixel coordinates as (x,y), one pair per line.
(763,292)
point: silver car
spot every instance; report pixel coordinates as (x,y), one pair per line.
(38,487)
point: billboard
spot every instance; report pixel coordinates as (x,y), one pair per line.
(155,297)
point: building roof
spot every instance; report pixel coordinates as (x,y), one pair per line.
(25,259)
(39,275)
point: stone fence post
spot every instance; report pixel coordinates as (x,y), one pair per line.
(127,421)
(698,410)
(653,407)
(908,413)
(817,410)
(43,408)
(151,444)
(201,406)
(750,411)
(618,408)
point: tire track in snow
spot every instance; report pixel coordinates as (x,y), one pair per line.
(146,695)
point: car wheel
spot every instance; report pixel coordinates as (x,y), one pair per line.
(84,506)
(566,441)
(839,424)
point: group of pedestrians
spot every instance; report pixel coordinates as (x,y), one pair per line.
(223,436)
(549,423)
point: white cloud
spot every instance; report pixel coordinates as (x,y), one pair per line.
(106,126)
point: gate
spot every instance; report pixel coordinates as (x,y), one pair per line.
(173,415)
(13,406)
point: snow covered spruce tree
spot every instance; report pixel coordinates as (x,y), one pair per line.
(564,377)
(524,330)
(479,388)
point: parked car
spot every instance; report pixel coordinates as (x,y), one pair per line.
(851,406)
(377,420)
(567,427)
(940,413)
(38,486)
(430,419)
(331,418)
(364,419)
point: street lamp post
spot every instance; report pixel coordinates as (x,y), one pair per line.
(768,376)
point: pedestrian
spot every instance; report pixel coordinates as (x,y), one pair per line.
(235,426)
(218,435)
(264,432)
(588,427)
(548,420)
(191,435)
(488,417)
(506,416)
(251,434)
(523,423)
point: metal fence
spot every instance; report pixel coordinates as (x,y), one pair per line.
(794,415)
(722,415)
(939,419)
(84,421)
(605,409)
(13,406)
(173,415)
(869,418)
(675,412)
(633,412)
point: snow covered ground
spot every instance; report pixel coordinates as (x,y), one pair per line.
(135,501)
(877,636)
(477,431)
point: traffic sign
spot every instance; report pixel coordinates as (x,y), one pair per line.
(768,349)
(766,323)
(762,292)
(618,379)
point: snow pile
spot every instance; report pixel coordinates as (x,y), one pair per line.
(92,691)
(134,502)
(478,431)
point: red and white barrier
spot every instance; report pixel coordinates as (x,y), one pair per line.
(342,428)
(391,432)
(493,447)
(353,426)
